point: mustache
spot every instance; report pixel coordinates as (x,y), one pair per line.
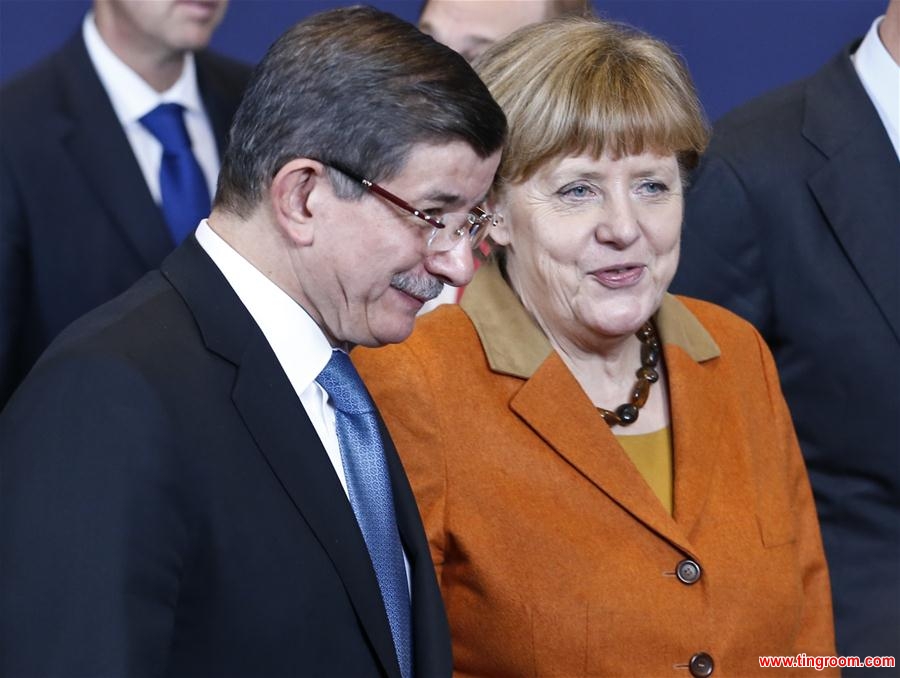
(423,287)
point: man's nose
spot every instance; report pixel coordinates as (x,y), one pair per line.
(454,267)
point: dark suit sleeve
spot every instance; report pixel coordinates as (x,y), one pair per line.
(92,534)
(722,244)
(13,281)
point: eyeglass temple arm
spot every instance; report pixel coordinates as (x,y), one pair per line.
(401,203)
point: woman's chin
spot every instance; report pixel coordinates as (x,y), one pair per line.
(616,319)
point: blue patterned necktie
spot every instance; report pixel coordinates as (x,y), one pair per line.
(369,487)
(185,195)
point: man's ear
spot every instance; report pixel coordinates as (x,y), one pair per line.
(293,198)
(500,230)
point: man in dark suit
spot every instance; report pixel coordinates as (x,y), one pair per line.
(181,492)
(793,221)
(79,173)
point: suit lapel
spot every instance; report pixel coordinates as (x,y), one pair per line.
(283,434)
(549,403)
(99,148)
(858,186)
(282,431)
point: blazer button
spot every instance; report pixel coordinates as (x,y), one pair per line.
(688,572)
(701,665)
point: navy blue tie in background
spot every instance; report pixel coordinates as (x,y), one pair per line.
(185,195)
(369,487)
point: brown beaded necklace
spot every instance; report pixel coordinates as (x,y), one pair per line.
(627,413)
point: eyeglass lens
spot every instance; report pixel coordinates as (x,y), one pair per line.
(457,226)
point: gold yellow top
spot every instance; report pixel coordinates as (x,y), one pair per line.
(651,453)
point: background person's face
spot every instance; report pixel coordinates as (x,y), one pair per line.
(163,25)
(469,27)
(370,260)
(592,243)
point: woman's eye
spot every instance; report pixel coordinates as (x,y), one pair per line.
(653,187)
(577,191)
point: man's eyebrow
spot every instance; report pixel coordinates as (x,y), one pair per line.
(443,198)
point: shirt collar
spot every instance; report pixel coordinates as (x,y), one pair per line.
(130,95)
(297,341)
(880,76)
(514,343)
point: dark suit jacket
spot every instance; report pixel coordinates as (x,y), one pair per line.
(794,222)
(78,224)
(167,509)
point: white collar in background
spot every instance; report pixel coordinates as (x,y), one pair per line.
(880,76)
(131,96)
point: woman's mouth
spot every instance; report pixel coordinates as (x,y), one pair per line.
(615,277)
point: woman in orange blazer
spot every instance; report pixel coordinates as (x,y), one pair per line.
(608,474)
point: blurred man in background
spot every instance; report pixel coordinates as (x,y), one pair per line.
(793,222)
(109,153)
(471,26)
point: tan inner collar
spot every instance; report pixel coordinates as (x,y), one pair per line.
(514,343)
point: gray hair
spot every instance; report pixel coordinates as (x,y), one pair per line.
(354,88)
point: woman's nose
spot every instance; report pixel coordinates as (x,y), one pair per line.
(618,221)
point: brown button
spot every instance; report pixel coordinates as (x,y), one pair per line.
(701,665)
(688,572)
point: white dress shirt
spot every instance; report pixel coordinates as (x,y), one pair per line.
(132,98)
(298,343)
(448,295)
(880,76)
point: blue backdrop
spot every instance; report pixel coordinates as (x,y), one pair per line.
(735,48)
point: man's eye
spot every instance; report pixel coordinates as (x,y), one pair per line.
(434,214)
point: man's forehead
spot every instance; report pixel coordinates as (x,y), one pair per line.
(489,19)
(446,173)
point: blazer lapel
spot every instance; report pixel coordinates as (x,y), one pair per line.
(858,186)
(284,435)
(95,141)
(696,413)
(549,402)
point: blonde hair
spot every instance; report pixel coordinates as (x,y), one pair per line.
(576,85)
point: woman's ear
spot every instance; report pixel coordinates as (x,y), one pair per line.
(293,193)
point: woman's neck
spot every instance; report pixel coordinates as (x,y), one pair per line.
(605,367)
(607,372)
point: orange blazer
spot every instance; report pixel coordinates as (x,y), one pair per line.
(554,556)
